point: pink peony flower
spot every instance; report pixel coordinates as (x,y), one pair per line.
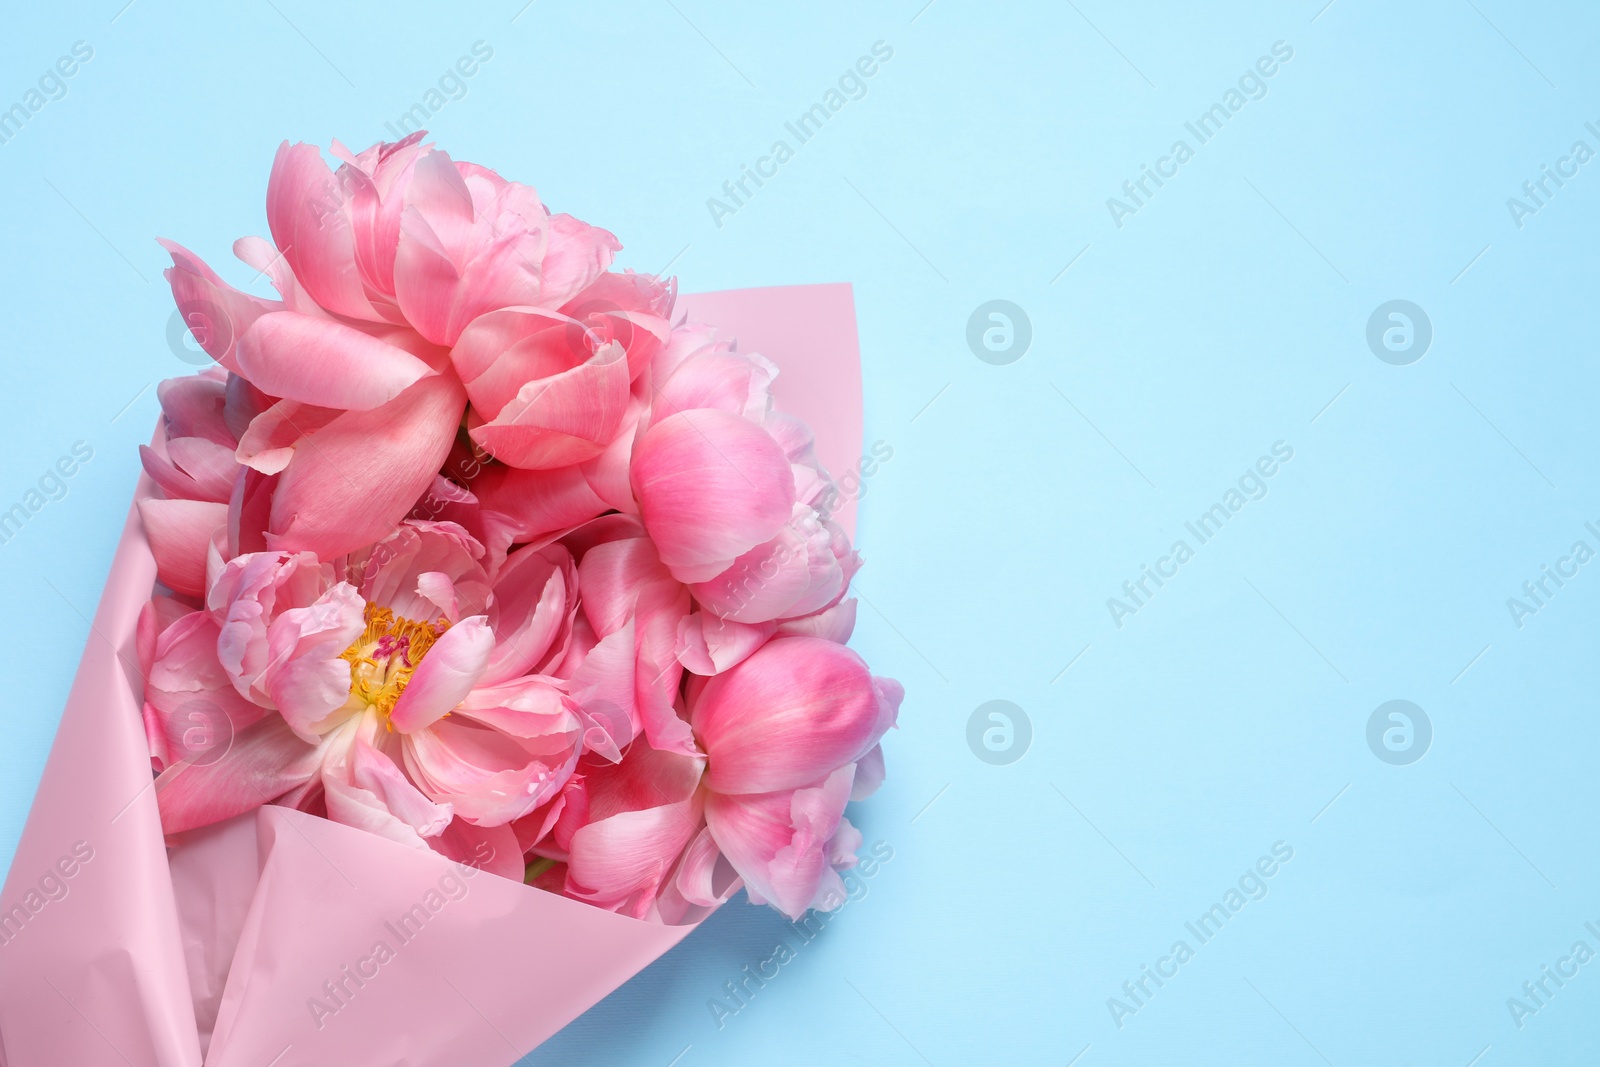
(623,667)
(418,295)
(791,733)
(403,686)
(401,233)
(731,491)
(640,816)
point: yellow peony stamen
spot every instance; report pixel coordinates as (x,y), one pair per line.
(383,658)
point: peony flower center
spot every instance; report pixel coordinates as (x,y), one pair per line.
(384,656)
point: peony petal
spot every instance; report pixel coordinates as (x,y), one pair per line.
(534,598)
(500,352)
(562,419)
(351,481)
(487,848)
(194,406)
(710,645)
(603,687)
(711,486)
(180,532)
(621,580)
(727,381)
(780,843)
(264,762)
(445,676)
(869,774)
(834,624)
(306,213)
(791,714)
(215,314)
(705,879)
(208,466)
(375,772)
(425,278)
(643,812)
(577,255)
(191,710)
(267,444)
(305,676)
(493,775)
(392,572)
(322,362)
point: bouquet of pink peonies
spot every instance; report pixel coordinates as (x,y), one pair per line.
(497,635)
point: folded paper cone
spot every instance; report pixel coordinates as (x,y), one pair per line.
(282,939)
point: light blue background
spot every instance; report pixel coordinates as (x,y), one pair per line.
(1227,314)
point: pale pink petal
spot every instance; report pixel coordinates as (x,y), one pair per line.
(194,406)
(375,772)
(780,842)
(802,570)
(215,313)
(438,192)
(445,676)
(710,645)
(643,813)
(392,573)
(363,809)
(711,486)
(834,624)
(792,713)
(620,863)
(602,685)
(488,848)
(705,879)
(322,362)
(551,827)
(259,253)
(209,466)
(500,352)
(489,776)
(306,213)
(305,677)
(621,580)
(437,588)
(267,444)
(191,710)
(264,762)
(180,532)
(525,506)
(351,481)
(869,774)
(728,381)
(425,279)
(578,254)
(562,419)
(534,598)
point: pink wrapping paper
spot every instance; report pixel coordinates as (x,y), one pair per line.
(256,943)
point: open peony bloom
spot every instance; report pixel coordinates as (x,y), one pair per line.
(418,295)
(403,234)
(404,685)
